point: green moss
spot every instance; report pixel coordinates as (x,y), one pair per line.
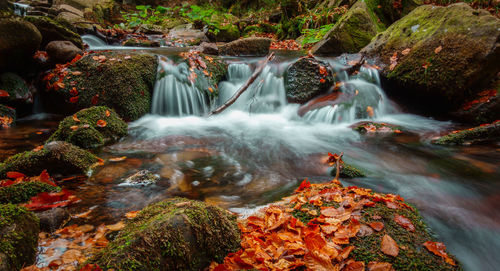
(19,238)
(348,171)
(15,86)
(88,134)
(412,254)
(470,136)
(133,42)
(124,84)
(217,68)
(22,192)
(55,30)
(56,157)
(176,234)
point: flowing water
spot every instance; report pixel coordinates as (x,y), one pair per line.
(260,149)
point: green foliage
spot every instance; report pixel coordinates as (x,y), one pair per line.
(144,14)
(315,35)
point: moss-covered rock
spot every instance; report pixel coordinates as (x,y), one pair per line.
(19,93)
(225,33)
(18,237)
(370,127)
(348,171)
(19,40)
(351,33)
(87,131)
(7,116)
(121,81)
(176,234)
(56,157)
(22,192)
(246,47)
(134,42)
(216,71)
(483,133)
(53,30)
(437,56)
(307,78)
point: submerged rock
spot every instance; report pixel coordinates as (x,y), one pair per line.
(52,219)
(7,116)
(436,57)
(307,78)
(22,192)
(483,133)
(123,82)
(18,237)
(348,171)
(62,51)
(176,234)
(246,47)
(56,157)
(19,40)
(91,128)
(52,30)
(141,178)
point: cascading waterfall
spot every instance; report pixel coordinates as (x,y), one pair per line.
(21,9)
(94,42)
(175,95)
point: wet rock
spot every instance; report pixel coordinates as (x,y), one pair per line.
(307,78)
(348,171)
(19,94)
(186,34)
(19,40)
(22,192)
(18,237)
(246,47)
(370,127)
(351,33)
(209,48)
(436,57)
(123,82)
(88,130)
(7,116)
(56,157)
(176,234)
(62,51)
(141,178)
(52,219)
(135,42)
(227,29)
(479,134)
(55,29)
(482,108)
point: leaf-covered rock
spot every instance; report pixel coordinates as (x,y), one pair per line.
(22,192)
(483,133)
(18,237)
(176,234)
(84,130)
(56,157)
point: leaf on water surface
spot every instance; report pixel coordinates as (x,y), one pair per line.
(45,200)
(389,246)
(404,222)
(439,249)
(72,255)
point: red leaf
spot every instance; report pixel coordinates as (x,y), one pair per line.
(404,222)
(91,267)
(73,99)
(45,178)
(101,123)
(44,201)
(15,175)
(439,249)
(305,184)
(95,99)
(378,226)
(4,93)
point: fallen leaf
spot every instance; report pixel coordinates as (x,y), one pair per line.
(439,249)
(378,226)
(4,93)
(74,127)
(438,49)
(15,175)
(389,246)
(108,113)
(71,255)
(91,267)
(101,123)
(376,266)
(354,266)
(369,110)
(405,51)
(131,214)
(73,99)
(404,222)
(75,118)
(117,159)
(76,73)
(116,227)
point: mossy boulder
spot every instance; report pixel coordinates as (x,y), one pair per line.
(306,78)
(483,133)
(351,33)
(56,157)
(17,89)
(371,127)
(123,82)
(19,40)
(18,237)
(216,68)
(246,47)
(135,42)
(225,33)
(348,171)
(22,192)
(176,234)
(53,30)
(438,56)
(7,116)
(88,131)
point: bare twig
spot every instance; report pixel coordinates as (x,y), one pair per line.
(337,173)
(243,88)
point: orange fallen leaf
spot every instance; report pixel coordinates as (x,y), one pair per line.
(378,226)
(376,266)
(75,118)
(72,255)
(83,215)
(108,113)
(389,246)
(210,89)
(39,148)
(76,73)
(116,227)
(369,110)
(117,159)
(404,222)
(91,267)
(73,99)
(131,214)
(4,93)
(322,80)
(74,127)
(15,175)
(438,49)
(101,123)
(439,249)
(405,51)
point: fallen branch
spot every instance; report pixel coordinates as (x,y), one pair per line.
(354,68)
(243,88)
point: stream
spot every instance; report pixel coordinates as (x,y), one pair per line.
(259,150)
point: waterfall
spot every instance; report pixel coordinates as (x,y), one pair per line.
(94,42)
(20,9)
(175,95)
